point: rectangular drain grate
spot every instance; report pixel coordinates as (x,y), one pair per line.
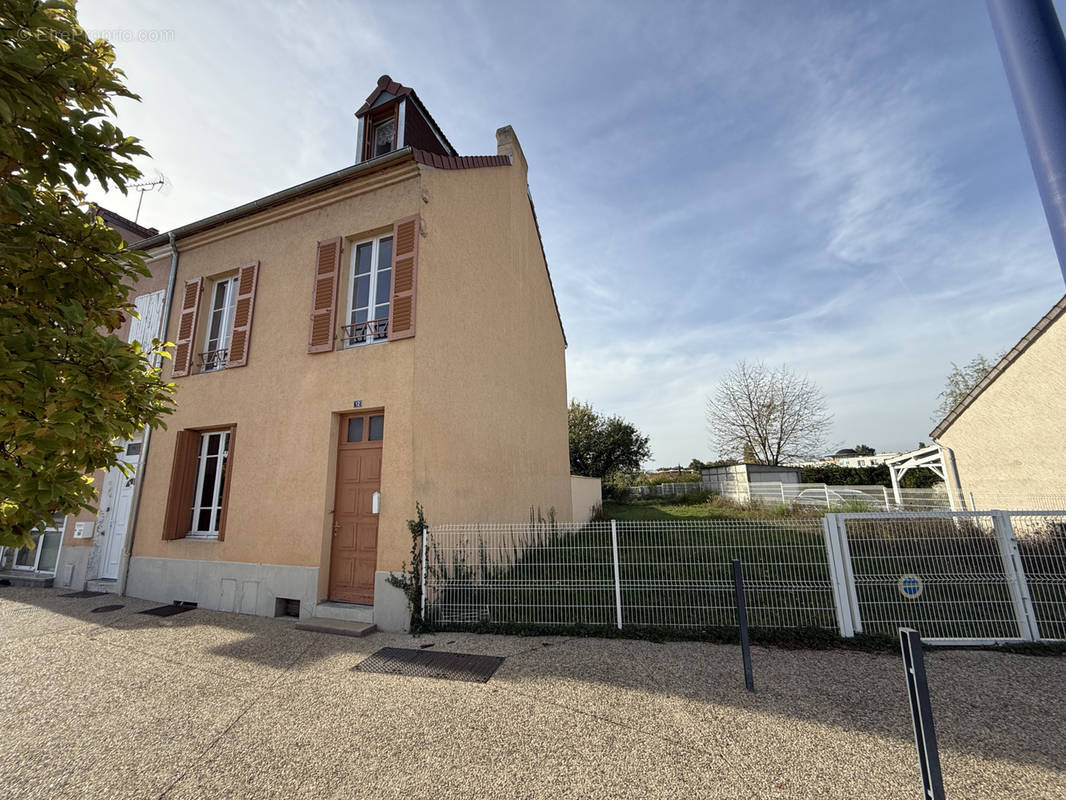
(427,664)
(169,611)
(85,593)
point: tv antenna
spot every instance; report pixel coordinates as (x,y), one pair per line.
(157,183)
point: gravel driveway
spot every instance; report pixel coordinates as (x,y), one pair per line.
(207,704)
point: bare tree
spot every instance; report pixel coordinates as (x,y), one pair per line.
(776,413)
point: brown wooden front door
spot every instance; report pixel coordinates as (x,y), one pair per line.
(354,552)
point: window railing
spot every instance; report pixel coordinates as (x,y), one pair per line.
(213,360)
(374,330)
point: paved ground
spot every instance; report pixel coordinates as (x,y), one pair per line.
(205,704)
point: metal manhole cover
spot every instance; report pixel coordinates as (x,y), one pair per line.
(427,664)
(102,609)
(85,593)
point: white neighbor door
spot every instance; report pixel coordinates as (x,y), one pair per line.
(143,330)
(119,516)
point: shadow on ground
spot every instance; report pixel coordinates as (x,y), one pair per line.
(987,706)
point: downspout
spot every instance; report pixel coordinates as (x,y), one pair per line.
(142,463)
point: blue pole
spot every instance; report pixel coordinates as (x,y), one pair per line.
(1034,56)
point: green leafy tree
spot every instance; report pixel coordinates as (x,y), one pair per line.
(68,387)
(864,450)
(839,475)
(961,380)
(602,446)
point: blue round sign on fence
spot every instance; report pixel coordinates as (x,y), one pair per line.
(911,586)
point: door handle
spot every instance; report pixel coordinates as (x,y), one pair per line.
(375,503)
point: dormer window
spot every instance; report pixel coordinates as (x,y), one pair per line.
(384,137)
(393,118)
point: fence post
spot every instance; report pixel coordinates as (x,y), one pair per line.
(837,577)
(1016,580)
(425,536)
(826,487)
(617,579)
(884,489)
(921,714)
(742,622)
(849,572)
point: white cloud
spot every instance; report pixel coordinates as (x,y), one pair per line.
(835,187)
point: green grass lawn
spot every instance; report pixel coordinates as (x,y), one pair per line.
(701,507)
(672,576)
(680,575)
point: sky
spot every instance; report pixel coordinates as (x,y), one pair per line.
(840,187)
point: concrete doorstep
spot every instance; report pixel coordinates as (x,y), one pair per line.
(339,627)
(25,577)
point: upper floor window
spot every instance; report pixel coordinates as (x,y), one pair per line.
(219,325)
(214,326)
(369,287)
(384,137)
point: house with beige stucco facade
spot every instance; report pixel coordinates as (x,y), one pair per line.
(1006,439)
(381,336)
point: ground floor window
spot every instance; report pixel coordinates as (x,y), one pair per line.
(45,553)
(210,484)
(200,479)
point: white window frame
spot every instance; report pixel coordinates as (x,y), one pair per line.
(55,529)
(349,314)
(225,333)
(393,147)
(217,491)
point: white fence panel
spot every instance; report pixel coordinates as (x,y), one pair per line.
(816,495)
(956,577)
(665,574)
(1039,540)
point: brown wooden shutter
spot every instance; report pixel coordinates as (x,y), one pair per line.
(227,476)
(190,307)
(405,234)
(248,278)
(324,296)
(182,485)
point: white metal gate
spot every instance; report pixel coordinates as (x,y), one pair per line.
(956,577)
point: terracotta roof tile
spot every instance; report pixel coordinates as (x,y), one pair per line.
(1057,311)
(117,219)
(459,162)
(385,84)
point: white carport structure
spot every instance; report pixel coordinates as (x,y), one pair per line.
(932,458)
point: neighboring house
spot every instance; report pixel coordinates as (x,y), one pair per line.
(96,551)
(1008,435)
(381,336)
